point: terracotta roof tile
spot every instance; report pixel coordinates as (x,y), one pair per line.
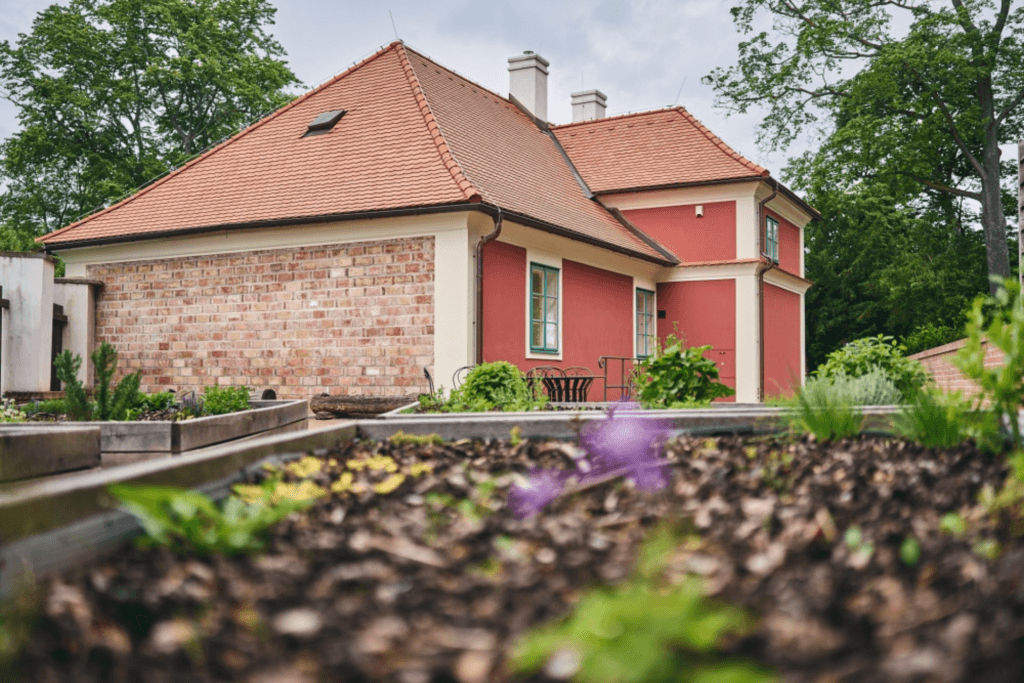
(415,134)
(651,149)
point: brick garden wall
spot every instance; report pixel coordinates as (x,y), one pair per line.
(302,321)
(938,363)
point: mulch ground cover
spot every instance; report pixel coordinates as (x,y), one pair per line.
(417,571)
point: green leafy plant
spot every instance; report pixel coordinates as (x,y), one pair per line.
(910,551)
(678,376)
(57,406)
(939,420)
(76,404)
(863,356)
(1002,385)
(181,518)
(489,386)
(641,632)
(824,409)
(223,400)
(116,406)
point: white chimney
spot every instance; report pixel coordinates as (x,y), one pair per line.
(528,82)
(588,104)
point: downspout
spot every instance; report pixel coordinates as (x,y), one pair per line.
(762,269)
(480,285)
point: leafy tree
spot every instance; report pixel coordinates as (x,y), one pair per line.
(906,92)
(111,93)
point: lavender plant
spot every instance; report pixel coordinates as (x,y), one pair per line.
(625,444)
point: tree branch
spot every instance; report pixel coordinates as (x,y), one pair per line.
(1016,102)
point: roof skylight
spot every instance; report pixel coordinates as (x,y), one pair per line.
(324,123)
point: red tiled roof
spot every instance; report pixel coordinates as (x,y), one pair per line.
(415,134)
(651,149)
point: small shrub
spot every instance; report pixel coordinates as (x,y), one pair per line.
(114,407)
(180,518)
(1002,385)
(66,367)
(825,408)
(678,377)
(159,401)
(223,400)
(862,356)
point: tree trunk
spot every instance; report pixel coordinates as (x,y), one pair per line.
(993,220)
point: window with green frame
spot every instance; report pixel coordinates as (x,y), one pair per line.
(645,331)
(771,238)
(543,309)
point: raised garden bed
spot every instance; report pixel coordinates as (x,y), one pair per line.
(409,583)
(31,452)
(122,442)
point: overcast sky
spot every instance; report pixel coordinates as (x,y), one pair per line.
(637,52)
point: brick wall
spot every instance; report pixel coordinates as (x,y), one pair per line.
(938,363)
(302,321)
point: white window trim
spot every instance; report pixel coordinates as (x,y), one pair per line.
(551,261)
(650,286)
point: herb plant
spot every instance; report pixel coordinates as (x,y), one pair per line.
(939,420)
(824,409)
(10,412)
(223,400)
(641,632)
(1001,385)
(66,367)
(863,356)
(181,518)
(678,376)
(489,386)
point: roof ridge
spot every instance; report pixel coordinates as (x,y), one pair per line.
(470,191)
(617,117)
(484,88)
(213,150)
(720,143)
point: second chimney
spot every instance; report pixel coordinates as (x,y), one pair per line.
(588,104)
(528,83)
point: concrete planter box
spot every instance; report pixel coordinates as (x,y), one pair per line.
(122,442)
(33,452)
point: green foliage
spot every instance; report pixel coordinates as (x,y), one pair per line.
(953,523)
(930,335)
(223,400)
(112,93)
(67,366)
(489,386)
(181,518)
(916,97)
(55,406)
(1002,385)
(863,356)
(824,409)
(161,400)
(640,632)
(939,420)
(126,394)
(678,376)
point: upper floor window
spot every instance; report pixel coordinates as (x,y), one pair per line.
(771,238)
(645,330)
(543,309)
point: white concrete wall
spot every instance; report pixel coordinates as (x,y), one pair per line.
(79,301)
(27,281)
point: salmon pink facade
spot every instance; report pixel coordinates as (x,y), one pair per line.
(437,225)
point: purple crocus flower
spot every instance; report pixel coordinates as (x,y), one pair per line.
(626,441)
(541,487)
